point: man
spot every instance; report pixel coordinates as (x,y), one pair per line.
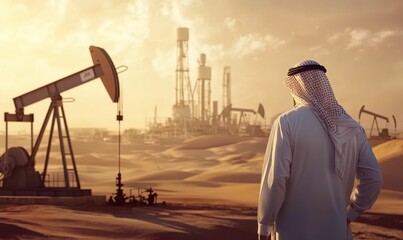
(314,153)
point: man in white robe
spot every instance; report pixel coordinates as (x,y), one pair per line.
(314,153)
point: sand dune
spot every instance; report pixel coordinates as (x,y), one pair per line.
(390,157)
(196,178)
(97,222)
(227,177)
(166,175)
(172,222)
(205,142)
(389,202)
(388,148)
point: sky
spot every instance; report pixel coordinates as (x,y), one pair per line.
(358,41)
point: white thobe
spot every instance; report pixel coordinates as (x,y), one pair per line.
(300,192)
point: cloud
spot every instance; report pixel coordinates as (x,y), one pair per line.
(128,30)
(358,38)
(164,62)
(213,52)
(319,50)
(381,36)
(255,42)
(74,40)
(60,6)
(174,10)
(335,37)
(231,23)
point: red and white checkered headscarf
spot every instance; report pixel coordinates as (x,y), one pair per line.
(312,88)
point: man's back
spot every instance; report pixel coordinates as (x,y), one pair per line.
(313,155)
(315,202)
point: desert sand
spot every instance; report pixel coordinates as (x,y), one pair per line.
(210,185)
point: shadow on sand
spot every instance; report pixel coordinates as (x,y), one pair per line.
(190,222)
(13,231)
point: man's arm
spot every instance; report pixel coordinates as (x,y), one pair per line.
(276,170)
(370,182)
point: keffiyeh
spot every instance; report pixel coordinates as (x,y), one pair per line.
(310,86)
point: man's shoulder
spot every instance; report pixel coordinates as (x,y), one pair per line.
(292,115)
(299,111)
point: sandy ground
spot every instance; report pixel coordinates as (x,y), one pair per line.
(210,184)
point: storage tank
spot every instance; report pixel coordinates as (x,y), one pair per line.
(203,59)
(183,34)
(204,72)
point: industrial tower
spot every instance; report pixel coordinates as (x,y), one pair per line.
(182,110)
(226,87)
(227,95)
(204,89)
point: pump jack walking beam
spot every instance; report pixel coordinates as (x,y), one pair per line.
(103,68)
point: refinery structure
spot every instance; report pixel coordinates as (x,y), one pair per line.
(194,113)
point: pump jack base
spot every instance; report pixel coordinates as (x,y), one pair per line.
(48,192)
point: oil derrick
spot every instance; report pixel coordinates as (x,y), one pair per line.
(183,107)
